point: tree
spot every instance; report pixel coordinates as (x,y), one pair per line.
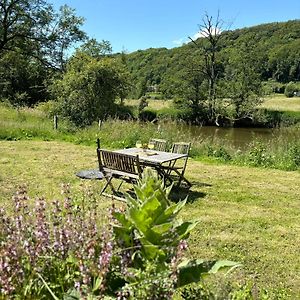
(34,43)
(89,88)
(22,79)
(33,28)
(192,93)
(210,30)
(241,86)
(96,49)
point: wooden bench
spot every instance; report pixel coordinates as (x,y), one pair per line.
(115,165)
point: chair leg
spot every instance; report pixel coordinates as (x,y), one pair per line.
(108,183)
(119,185)
(181,177)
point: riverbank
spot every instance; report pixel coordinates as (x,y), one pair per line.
(246,214)
(276,110)
(281,152)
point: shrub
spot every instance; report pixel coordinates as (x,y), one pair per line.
(290,89)
(294,155)
(53,251)
(89,87)
(147,115)
(219,152)
(258,156)
(61,252)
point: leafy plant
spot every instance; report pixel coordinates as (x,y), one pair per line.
(219,152)
(153,240)
(258,155)
(50,252)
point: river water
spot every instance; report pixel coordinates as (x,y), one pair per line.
(239,138)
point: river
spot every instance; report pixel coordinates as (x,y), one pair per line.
(239,138)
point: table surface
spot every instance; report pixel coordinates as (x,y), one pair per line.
(157,157)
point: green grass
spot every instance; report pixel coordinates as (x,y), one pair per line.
(152,104)
(279,102)
(246,214)
(32,124)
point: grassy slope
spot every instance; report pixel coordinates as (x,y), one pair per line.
(246,214)
(281,103)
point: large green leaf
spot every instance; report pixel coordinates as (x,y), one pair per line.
(150,251)
(194,270)
(185,228)
(170,212)
(162,228)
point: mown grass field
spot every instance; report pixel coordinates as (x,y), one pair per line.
(277,102)
(250,215)
(153,104)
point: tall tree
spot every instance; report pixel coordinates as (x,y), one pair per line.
(34,42)
(89,88)
(35,29)
(210,30)
(96,49)
(241,85)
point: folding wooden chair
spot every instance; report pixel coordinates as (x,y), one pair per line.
(118,166)
(159,144)
(179,166)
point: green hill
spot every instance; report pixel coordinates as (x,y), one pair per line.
(276,47)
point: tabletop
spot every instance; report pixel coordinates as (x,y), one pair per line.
(152,156)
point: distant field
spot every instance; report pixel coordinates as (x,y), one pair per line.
(274,102)
(281,103)
(246,214)
(152,104)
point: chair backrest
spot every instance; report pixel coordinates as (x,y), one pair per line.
(159,144)
(182,148)
(122,163)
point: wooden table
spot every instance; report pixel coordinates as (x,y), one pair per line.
(159,160)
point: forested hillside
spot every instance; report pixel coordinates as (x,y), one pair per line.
(218,79)
(275,48)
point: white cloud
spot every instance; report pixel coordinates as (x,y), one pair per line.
(195,36)
(179,42)
(204,33)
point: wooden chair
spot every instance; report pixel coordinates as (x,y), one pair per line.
(179,166)
(117,166)
(159,144)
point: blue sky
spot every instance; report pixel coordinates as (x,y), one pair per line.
(130,25)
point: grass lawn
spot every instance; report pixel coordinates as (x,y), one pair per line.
(280,102)
(152,104)
(249,215)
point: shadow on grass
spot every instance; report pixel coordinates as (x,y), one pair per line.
(180,193)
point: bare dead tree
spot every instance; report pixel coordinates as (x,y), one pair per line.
(210,30)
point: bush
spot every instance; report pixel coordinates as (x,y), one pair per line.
(88,89)
(290,89)
(219,152)
(48,251)
(258,156)
(49,108)
(61,252)
(147,115)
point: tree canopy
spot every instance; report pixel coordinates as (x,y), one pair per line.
(89,88)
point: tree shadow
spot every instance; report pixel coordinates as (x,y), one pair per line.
(180,193)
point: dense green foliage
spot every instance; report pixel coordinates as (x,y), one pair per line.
(275,46)
(216,79)
(34,42)
(219,77)
(89,87)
